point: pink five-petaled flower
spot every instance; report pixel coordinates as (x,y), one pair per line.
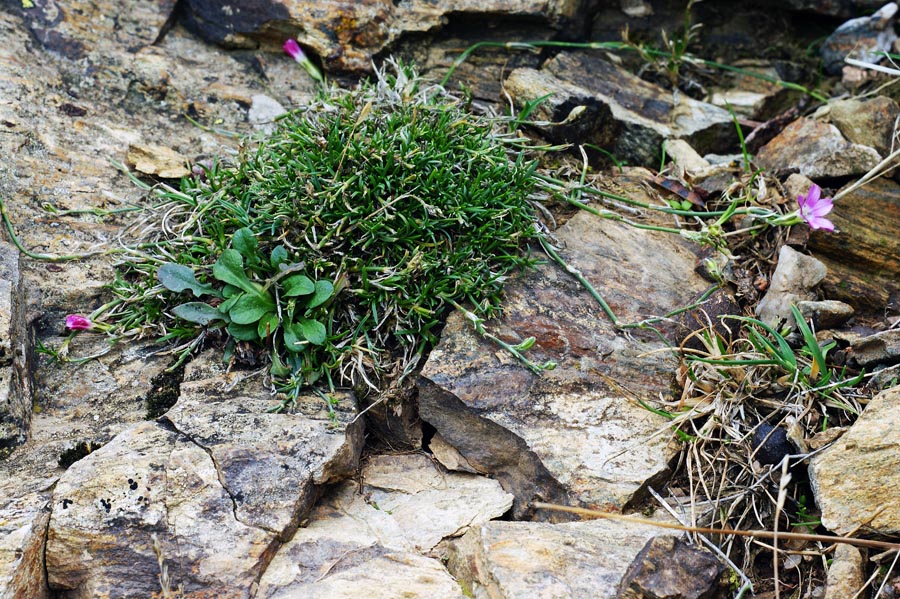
(813,208)
(77,322)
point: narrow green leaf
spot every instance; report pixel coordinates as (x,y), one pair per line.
(297,285)
(811,342)
(177,278)
(324,291)
(313,330)
(198,312)
(250,308)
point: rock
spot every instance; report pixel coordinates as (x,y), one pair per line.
(864,38)
(15,354)
(263,112)
(830,8)
(854,480)
(878,349)
(825,314)
(537,560)
(449,456)
(372,534)
(816,149)
(70,418)
(846,574)
(770,444)
(794,280)
(668,568)
(862,267)
(152,159)
(867,122)
(685,157)
(219,466)
(23,528)
(642,115)
(348,35)
(569,114)
(576,431)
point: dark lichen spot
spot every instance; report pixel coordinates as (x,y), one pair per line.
(107,504)
(132,484)
(164,390)
(66,503)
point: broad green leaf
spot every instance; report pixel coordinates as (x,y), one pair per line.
(324,291)
(225,306)
(293,338)
(244,241)
(243,332)
(313,330)
(229,268)
(178,277)
(230,291)
(198,312)
(250,308)
(297,285)
(279,256)
(267,325)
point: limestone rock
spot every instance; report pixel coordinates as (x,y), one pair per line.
(576,431)
(825,314)
(856,478)
(816,150)
(24,515)
(794,280)
(880,348)
(371,535)
(347,35)
(846,574)
(866,122)
(15,354)
(263,112)
(538,560)
(220,466)
(863,38)
(669,568)
(153,159)
(640,117)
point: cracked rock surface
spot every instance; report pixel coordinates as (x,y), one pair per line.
(373,534)
(574,433)
(219,501)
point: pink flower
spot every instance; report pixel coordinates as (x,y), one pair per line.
(813,208)
(294,50)
(77,322)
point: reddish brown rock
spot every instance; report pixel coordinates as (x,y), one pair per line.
(347,35)
(816,149)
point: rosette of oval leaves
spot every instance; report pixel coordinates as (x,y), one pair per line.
(264,300)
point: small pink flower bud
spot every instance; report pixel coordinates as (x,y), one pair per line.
(77,322)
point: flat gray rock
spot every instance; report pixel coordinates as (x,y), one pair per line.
(220,480)
(538,560)
(577,432)
(855,480)
(376,534)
